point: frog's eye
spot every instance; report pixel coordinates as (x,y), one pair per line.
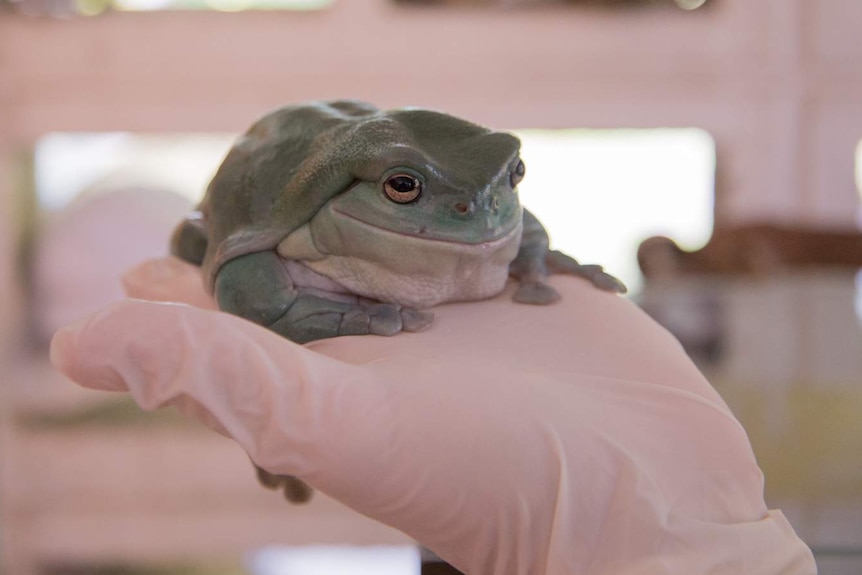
(402,188)
(517,174)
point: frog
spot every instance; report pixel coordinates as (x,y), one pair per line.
(337,218)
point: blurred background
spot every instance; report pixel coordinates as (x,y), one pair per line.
(707,152)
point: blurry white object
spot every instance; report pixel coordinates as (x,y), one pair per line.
(82,250)
(336,560)
(68,163)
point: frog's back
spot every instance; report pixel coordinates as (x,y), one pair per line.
(269,184)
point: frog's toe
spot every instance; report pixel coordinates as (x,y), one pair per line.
(558,262)
(536,293)
(384,319)
(414,321)
(561,263)
(607,282)
(355,322)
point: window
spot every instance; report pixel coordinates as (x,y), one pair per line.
(601,192)
(336,560)
(66,8)
(859,220)
(70,164)
(222,5)
(859,171)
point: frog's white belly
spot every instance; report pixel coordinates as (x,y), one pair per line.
(465,280)
(407,270)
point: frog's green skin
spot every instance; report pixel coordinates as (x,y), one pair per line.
(296,233)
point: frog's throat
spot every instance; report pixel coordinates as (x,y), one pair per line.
(393,267)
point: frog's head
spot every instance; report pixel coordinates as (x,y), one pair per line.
(434,177)
(432,215)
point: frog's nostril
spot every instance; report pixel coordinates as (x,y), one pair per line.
(462,208)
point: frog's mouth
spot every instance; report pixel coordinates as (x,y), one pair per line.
(479,237)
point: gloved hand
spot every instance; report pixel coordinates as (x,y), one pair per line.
(510,439)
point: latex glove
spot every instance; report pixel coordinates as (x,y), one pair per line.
(509,439)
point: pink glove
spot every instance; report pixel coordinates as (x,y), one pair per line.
(509,439)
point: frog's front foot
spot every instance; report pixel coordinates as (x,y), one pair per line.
(558,262)
(311,317)
(260,288)
(534,290)
(413,320)
(383,319)
(536,293)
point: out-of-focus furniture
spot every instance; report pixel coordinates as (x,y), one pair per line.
(756,249)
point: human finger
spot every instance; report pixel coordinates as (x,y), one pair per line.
(168,280)
(269,394)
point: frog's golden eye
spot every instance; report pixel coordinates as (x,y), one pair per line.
(402,188)
(517,174)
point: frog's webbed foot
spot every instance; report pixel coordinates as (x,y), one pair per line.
(560,263)
(413,320)
(314,317)
(383,319)
(529,268)
(536,292)
(295,490)
(535,261)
